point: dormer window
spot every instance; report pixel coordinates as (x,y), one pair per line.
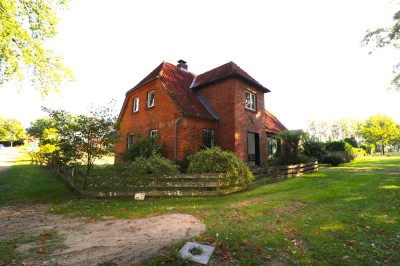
(250,101)
(150,99)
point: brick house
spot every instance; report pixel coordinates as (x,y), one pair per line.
(222,107)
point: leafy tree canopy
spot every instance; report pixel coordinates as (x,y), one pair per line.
(389,36)
(11,130)
(24,27)
(37,127)
(380,130)
(77,139)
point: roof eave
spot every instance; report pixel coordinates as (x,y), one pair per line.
(142,85)
(234,74)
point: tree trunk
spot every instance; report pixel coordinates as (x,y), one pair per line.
(383,149)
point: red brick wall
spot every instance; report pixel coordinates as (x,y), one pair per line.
(244,123)
(220,97)
(191,133)
(227,98)
(161,117)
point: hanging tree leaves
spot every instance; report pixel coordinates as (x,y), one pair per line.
(383,37)
(24,27)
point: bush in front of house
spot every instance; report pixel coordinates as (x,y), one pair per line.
(296,148)
(154,165)
(336,146)
(333,160)
(215,160)
(312,148)
(142,147)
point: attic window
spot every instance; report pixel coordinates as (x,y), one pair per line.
(250,101)
(150,99)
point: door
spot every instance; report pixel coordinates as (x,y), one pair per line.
(253,148)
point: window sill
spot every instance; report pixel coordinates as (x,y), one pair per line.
(250,110)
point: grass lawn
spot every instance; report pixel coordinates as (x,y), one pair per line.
(346,215)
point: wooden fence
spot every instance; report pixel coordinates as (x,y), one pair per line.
(272,174)
(159,186)
(178,185)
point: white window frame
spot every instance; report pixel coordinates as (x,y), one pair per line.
(135,107)
(149,102)
(250,104)
(153,132)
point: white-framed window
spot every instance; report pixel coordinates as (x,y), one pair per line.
(135,107)
(153,132)
(208,138)
(130,140)
(250,101)
(150,99)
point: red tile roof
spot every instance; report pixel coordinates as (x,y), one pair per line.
(177,83)
(272,123)
(225,71)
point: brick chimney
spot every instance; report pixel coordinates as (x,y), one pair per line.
(182,65)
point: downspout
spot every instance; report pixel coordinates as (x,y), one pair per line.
(176,137)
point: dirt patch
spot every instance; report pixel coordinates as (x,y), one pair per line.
(245,203)
(291,209)
(96,242)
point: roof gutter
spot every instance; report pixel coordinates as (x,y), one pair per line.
(176,137)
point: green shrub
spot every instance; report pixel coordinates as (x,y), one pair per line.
(352,141)
(336,146)
(333,160)
(357,152)
(154,165)
(215,160)
(368,148)
(295,148)
(312,147)
(290,159)
(145,147)
(184,163)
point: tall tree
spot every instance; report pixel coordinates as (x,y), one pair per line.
(11,130)
(383,37)
(37,127)
(380,130)
(81,138)
(97,135)
(24,27)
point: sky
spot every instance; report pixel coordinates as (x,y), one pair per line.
(308,53)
